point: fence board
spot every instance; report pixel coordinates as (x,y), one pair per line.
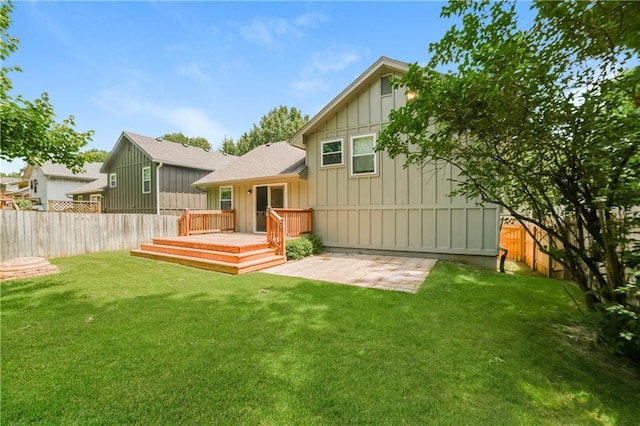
(53,234)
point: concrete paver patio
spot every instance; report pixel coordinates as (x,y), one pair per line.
(395,273)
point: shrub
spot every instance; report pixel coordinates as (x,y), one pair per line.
(298,248)
(23,204)
(316,242)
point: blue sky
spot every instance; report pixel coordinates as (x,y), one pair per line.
(209,69)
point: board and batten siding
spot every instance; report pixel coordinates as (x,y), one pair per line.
(176,192)
(243,203)
(396,209)
(127,196)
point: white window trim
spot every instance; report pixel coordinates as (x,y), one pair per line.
(220,193)
(388,94)
(255,201)
(341,163)
(113,180)
(143,180)
(375,156)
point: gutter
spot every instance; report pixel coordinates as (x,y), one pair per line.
(158,167)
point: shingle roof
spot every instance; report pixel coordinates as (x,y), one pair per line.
(177,154)
(270,160)
(91,171)
(92,187)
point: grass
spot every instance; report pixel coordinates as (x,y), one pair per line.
(117,339)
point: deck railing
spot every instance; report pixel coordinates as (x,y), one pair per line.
(275,231)
(297,221)
(206,222)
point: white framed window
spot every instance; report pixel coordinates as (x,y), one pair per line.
(331,153)
(80,197)
(363,155)
(146,180)
(385,85)
(113,180)
(226,198)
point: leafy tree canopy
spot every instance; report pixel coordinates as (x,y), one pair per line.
(194,141)
(95,155)
(277,125)
(545,122)
(28,129)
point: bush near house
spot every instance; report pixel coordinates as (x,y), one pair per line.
(304,246)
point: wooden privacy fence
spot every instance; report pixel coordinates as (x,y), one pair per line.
(521,247)
(52,234)
(68,206)
(206,222)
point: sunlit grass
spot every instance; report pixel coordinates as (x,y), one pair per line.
(116,339)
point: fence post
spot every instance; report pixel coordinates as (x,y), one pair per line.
(187,225)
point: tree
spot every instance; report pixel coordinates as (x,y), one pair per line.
(545,122)
(277,125)
(28,130)
(194,141)
(94,155)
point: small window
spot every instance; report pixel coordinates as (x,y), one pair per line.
(80,197)
(113,180)
(226,198)
(331,153)
(146,180)
(385,86)
(363,155)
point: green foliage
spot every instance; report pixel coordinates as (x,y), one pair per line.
(229,146)
(277,125)
(28,129)
(23,204)
(181,138)
(315,241)
(543,121)
(95,155)
(298,248)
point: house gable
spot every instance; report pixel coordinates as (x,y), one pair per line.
(367,200)
(171,167)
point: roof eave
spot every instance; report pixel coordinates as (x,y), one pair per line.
(384,62)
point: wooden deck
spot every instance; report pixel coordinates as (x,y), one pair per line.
(232,253)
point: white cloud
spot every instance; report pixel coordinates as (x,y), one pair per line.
(169,118)
(317,74)
(194,71)
(268,32)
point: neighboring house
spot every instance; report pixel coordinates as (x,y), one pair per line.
(50,181)
(92,191)
(14,187)
(154,176)
(269,175)
(362,200)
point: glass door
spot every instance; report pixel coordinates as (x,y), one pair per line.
(266,195)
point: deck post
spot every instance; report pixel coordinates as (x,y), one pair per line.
(187,225)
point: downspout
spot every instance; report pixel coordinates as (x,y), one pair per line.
(158,187)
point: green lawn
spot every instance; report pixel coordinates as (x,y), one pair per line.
(117,339)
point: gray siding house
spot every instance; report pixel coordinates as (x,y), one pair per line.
(154,176)
(362,200)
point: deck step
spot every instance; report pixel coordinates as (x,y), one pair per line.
(214,265)
(205,245)
(223,256)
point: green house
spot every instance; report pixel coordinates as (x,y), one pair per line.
(153,176)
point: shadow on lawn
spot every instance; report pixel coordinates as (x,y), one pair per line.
(283,350)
